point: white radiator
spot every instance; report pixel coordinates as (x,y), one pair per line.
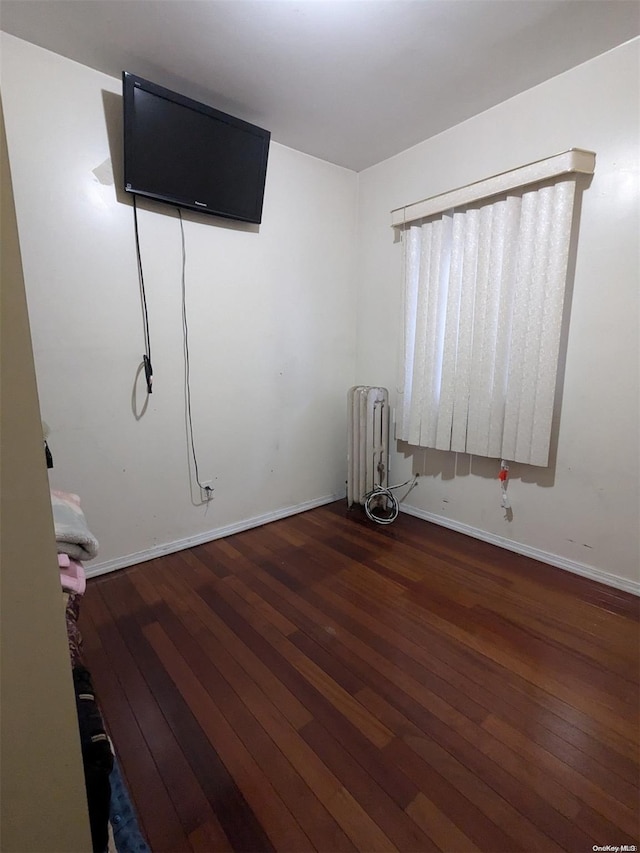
(367,441)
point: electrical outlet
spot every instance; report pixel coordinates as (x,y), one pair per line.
(206,491)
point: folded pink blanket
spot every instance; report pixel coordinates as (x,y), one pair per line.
(72,576)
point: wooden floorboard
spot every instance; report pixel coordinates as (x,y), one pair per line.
(325,683)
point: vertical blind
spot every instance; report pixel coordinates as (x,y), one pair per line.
(484,295)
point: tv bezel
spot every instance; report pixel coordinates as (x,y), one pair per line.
(129,83)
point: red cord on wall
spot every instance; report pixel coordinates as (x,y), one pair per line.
(503,476)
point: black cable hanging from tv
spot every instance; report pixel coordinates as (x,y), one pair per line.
(146,358)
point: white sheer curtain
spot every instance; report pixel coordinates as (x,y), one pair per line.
(484,292)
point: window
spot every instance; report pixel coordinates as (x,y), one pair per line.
(484,276)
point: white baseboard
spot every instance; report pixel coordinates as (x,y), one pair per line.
(201,538)
(217,533)
(535,553)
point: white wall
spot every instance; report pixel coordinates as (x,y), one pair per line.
(271,317)
(583,513)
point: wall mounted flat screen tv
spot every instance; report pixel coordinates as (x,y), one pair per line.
(185,153)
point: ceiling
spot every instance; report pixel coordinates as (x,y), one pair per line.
(350,81)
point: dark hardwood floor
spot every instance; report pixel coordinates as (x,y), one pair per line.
(324,683)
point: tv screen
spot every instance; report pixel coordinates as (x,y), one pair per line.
(186,153)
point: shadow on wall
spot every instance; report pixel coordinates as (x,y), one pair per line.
(448,465)
(112,105)
(139,395)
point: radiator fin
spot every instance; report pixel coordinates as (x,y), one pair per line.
(367,441)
